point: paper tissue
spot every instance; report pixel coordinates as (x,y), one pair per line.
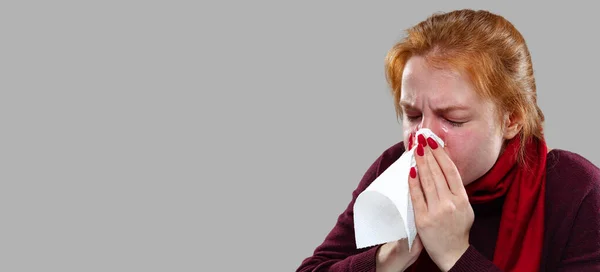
(383,212)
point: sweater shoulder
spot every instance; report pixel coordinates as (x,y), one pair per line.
(571,205)
(568,171)
(570,179)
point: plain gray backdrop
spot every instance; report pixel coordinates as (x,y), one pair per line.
(223,136)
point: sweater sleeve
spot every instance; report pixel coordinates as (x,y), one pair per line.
(473,261)
(582,252)
(338,251)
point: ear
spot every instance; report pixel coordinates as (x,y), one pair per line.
(511,126)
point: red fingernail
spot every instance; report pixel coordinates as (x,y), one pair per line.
(432,143)
(422,140)
(410,141)
(413,172)
(420,150)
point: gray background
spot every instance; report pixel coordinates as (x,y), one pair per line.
(178,136)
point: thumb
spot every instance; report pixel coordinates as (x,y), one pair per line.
(417,245)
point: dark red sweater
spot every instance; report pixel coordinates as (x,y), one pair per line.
(572,223)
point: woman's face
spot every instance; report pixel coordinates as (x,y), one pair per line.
(446,102)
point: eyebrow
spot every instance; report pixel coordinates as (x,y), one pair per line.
(408,106)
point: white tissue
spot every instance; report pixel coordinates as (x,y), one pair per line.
(383,212)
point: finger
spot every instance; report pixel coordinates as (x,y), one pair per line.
(416,193)
(425,177)
(437,175)
(448,168)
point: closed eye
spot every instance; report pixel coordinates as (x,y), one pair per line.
(455,123)
(412,118)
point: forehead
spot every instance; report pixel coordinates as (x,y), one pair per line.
(420,81)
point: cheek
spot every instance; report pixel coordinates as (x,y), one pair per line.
(464,147)
(458,145)
(473,153)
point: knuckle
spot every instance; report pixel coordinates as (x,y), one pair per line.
(427,184)
(435,175)
(448,207)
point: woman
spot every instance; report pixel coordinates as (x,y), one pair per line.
(495,198)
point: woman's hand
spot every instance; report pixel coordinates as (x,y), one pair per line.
(443,214)
(394,256)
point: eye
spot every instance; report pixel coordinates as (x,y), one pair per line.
(454,123)
(413,117)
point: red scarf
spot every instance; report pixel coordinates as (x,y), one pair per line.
(521,234)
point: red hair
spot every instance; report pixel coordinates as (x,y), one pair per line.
(489,49)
